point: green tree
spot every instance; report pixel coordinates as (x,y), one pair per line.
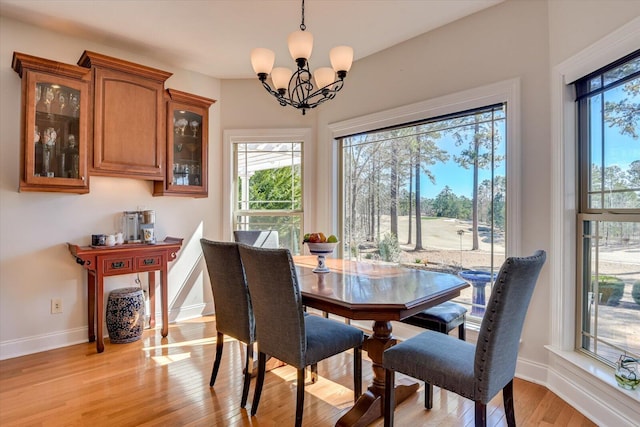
(278,188)
(426,153)
(446,204)
(625,113)
(482,138)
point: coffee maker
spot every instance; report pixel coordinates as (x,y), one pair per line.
(131,226)
(139,226)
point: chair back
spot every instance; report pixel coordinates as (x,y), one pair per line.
(234,315)
(277,303)
(259,238)
(499,336)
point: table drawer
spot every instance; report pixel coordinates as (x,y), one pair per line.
(119,265)
(148,262)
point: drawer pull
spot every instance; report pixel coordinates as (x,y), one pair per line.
(117,264)
(149,261)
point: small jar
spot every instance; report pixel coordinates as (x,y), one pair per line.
(627,374)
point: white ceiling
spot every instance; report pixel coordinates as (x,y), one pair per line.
(215,37)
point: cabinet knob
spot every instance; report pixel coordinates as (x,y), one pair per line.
(82,177)
(159,166)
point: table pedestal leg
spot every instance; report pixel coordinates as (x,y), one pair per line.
(369,406)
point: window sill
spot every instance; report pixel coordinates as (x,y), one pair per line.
(595,369)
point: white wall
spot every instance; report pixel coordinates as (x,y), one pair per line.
(35,265)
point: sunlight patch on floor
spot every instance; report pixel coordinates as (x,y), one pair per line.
(165,360)
(324,389)
(202,341)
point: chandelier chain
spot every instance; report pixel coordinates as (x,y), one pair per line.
(302,26)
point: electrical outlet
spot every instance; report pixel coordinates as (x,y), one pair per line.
(56,305)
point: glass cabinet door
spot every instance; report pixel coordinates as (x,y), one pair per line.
(187,149)
(55,130)
(187,145)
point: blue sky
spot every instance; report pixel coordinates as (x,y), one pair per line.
(451,174)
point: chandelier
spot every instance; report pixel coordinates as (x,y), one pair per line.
(296,88)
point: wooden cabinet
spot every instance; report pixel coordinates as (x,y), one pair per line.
(187,145)
(128,125)
(55,136)
(109,117)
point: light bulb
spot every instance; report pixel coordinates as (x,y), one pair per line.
(341,58)
(300,44)
(262,60)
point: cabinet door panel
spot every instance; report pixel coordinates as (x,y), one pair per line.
(128,126)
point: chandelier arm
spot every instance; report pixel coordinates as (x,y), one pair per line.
(281,99)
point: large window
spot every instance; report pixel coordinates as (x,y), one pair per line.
(432,195)
(268,189)
(608,105)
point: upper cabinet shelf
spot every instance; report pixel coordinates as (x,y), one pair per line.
(55,136)
(128,118)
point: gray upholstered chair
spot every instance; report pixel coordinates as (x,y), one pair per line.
(266,239)
(234,316)
(258,238)
(283,330)
(477,372)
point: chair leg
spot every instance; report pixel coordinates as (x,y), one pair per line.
(507,396)
(300,397)
(262,367)
(389,397)
(481,414)
(314,373)
(428,395)
(248,372)
(357,373)
(462,332)
(216,362)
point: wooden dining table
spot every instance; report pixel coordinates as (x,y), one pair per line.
(379,292)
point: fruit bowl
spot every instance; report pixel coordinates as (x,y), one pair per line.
(321,249)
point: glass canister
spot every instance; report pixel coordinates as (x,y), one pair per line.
(148,217)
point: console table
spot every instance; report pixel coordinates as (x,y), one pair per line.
(103,261)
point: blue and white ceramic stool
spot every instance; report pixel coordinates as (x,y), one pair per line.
(125,315)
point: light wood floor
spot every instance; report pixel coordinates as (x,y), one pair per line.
(165,382)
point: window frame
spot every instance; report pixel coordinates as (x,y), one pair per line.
(507,92)
(239,136)
(586,212)
(588,382)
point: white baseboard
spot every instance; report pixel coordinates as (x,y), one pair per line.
(38,343)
